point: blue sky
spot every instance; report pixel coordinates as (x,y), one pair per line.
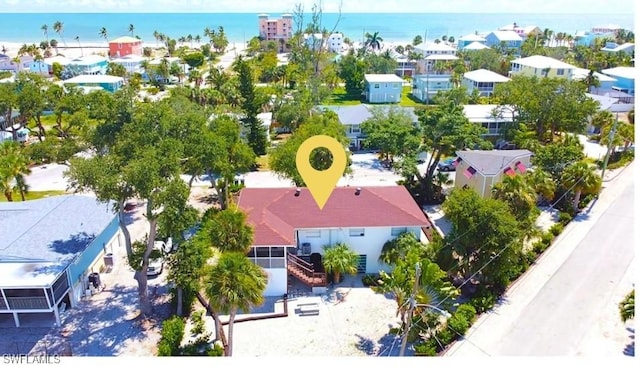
(348,6)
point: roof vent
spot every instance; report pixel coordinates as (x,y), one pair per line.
(358,191)
(297,192)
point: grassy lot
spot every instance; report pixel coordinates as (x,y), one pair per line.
(263,163)
(34,195)
(341,98)
(407,99)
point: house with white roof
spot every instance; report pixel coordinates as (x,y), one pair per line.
(45,66)
(475,46)
(612,47)
(90,82)
(541,66)
(382,88)
(494,118)
(482,80)
(132,63)
(625,78)
(510,39)
(466,40)
(50,248)
(432,52)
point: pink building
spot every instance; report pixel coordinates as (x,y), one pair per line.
(275,29)
(126,45)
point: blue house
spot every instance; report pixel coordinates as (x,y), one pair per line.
(511,40)
(625,79)
(109,83)
(382,88)
(426,86)
(49,247)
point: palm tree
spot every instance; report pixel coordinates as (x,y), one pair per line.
(373,41)
(103,33)
(627,307)
(131,29)
(234,283)
(58,27)
(542,183)
(14,165)
(581,178)
(519,194)
(339,259)
(45,31)
(77,38)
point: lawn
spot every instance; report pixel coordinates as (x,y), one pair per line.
(341,98)
(34,195)
(407,99)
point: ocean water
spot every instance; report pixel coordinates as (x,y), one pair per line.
(240,27)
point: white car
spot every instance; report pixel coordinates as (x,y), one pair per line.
(156,260)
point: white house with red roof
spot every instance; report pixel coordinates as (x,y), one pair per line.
(290,229)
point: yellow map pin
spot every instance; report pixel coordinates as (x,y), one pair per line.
(321,183)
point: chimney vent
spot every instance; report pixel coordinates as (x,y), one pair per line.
(297,192)
(358,191)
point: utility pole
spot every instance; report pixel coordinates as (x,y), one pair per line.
(412,305)
(612,134)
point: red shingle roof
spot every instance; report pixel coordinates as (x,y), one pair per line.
(275,213)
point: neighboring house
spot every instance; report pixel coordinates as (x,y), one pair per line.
(351,117)
(541,66)
(275,29)
(382,88)
(432,52)
(587,39)
(45,67)
(426,86)
(481,170)
(605,82)
(313,41)
(50,246)
(510,39)
(132,63)
(625,79)
(290,231)
(492,117)
(467,40)
(125,45)
(475,46)
(482,80)
(8,64)
(87,65)
(109,83)
(628,48)
(335,42)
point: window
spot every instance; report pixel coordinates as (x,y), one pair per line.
(356,231)
(395,231)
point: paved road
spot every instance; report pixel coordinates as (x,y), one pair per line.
(567,304)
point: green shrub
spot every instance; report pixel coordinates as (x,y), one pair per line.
(564,218)
(467,311)
(546,238)
(556,229)
(370,279)
(198,323)
(426,348)
(171,336)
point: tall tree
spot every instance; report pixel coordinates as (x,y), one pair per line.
(580,178)
(251,107)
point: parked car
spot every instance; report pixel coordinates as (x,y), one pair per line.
(447,165)
(156,259)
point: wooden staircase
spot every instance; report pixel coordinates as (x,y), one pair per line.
(305,272)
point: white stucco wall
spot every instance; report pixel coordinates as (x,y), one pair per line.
(277,281)
(370,244)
